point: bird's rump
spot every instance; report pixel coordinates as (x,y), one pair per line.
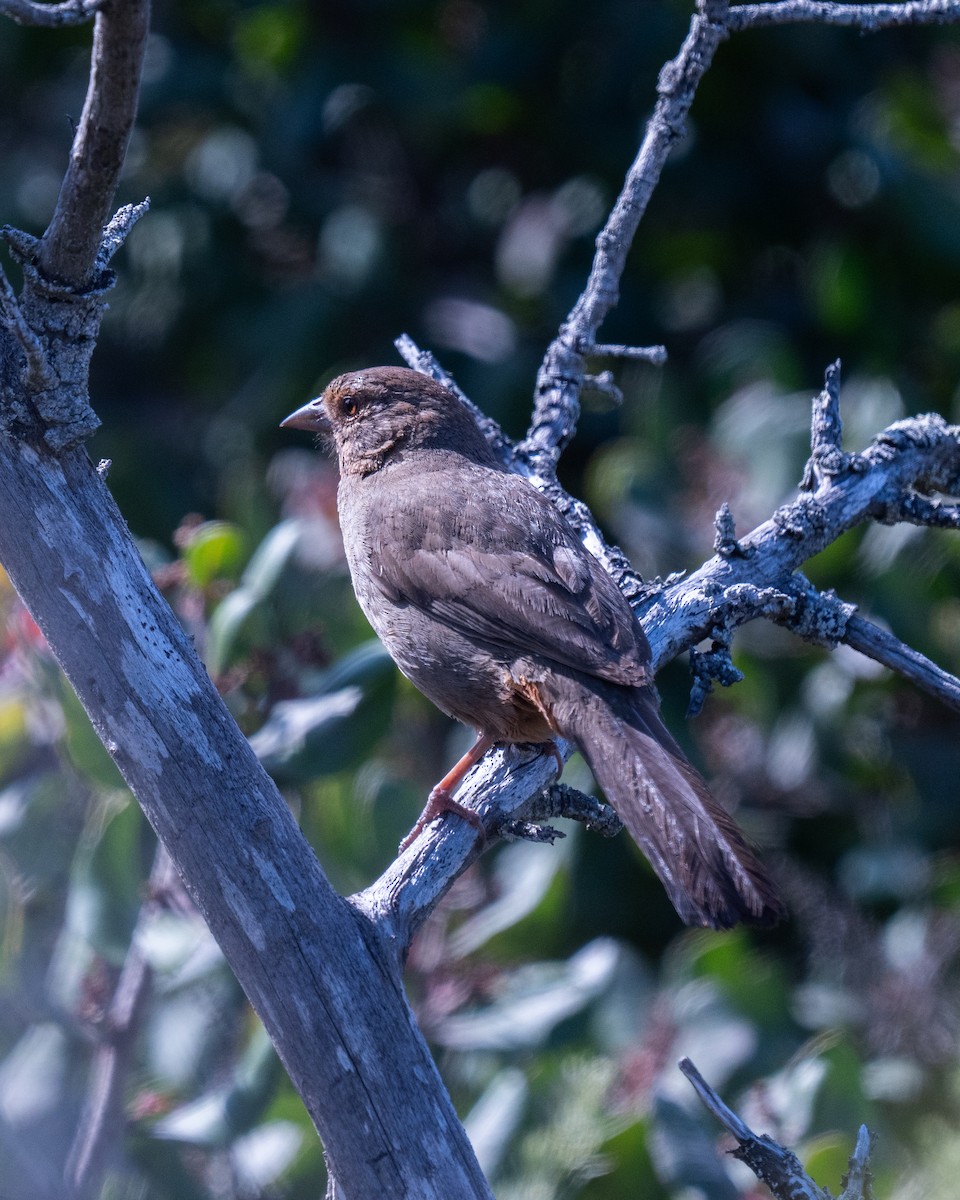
(709,872)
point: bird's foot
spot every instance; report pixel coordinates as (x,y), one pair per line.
(439,802)
(441,798)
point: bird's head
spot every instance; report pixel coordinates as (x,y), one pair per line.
(373,415)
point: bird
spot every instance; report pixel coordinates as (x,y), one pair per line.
(490,604)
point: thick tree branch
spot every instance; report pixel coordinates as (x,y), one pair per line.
(318,973)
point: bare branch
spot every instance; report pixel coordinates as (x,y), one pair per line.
(560,378)
(884,648)
(561,374)
(50,16)
(914,509)
(500,789)
(867,17)
(826,434)
(773,1164)
(858,1185)
(605,385)
(561,800)
(117,230)
(650,354)
(69,248)
(101,1122)
(922,453)
(725,533)
(754,577)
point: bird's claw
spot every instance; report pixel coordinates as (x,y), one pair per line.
(440,801)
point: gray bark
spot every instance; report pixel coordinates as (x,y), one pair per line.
(319,974)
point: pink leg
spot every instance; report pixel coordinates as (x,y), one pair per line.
(441,798)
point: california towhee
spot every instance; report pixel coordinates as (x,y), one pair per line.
(489,603)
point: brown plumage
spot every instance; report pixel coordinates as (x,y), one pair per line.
(489,603)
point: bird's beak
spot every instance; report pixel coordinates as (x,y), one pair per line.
(310,417)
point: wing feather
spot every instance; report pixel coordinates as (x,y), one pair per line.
(552,598)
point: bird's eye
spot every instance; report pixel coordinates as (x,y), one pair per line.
(349,406)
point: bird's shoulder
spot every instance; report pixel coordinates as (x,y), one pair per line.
(485,553)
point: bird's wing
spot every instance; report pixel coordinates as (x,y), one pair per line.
(512,574)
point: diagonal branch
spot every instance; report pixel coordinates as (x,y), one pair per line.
(560,377)
(756,576)
(69,248)
(775,1165)
(883,647)
(921,453)
(101,1123)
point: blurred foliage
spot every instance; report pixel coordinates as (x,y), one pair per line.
(322,178)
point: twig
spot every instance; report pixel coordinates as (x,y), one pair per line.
(866,17)
(858,1182)
(773,1164)
(884,648)
(69,248)
(914,509)
(50,16)
(117,230)
(561,800)
(725,533)
(922,454)
(101,1122)
(560,376)
(657,355)
(826,434)
(605,385)
(37,374)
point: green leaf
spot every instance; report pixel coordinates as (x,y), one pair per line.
(272,558)
(248,617)
(216,550)
(238,623)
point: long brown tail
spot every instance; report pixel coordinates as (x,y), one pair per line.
(706,866)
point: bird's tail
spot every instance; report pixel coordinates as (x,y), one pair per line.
(710,873)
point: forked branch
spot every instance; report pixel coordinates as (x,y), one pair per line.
(775,1165)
